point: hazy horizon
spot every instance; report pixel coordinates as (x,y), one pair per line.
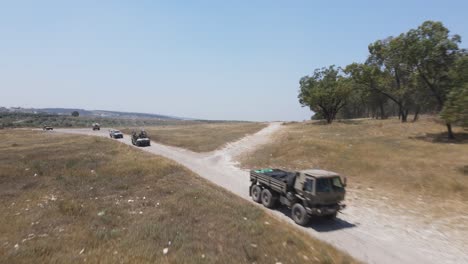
(206,60)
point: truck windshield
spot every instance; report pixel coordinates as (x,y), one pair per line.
(329,184)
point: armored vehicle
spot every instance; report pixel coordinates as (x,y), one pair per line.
(140,139)
(96,126)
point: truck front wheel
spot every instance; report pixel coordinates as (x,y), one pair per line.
(267,199)
(256,193)
(331,216)
(299,214)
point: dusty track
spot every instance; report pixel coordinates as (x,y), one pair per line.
(368,229)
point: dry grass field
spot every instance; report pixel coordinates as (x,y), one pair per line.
(405,159)
(200,137)
(68,199)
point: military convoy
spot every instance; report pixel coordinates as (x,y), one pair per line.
(306,193)
(140,139)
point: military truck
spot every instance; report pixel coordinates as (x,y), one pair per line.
(140,139)
(306,193)
(96,126)
(46,128)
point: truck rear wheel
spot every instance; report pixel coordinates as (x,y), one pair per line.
(299,214)
(267,199)
(256,193)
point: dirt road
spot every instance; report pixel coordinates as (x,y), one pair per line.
(369,230)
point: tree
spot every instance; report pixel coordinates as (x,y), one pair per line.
(456,104)
(388,57)
(432,52)
(374,82)
(75,113)
(325,92)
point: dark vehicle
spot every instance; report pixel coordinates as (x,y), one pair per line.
(306,193)
(47,128)
(140,139)
(115,134)
(96,126)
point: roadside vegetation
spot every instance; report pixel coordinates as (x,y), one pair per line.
(406,160)
(20,120)
(200,137)
(71,199)
(422,71)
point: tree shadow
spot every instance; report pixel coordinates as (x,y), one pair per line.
(460,138)
(464,170)
(339,121)
(321,224)
(352,121)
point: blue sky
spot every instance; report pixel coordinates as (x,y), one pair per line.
(205,59)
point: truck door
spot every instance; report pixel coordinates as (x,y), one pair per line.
(308,190)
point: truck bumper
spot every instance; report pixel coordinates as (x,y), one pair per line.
(326,210)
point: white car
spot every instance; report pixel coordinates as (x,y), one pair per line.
(115,134)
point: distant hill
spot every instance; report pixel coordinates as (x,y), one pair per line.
(92,113)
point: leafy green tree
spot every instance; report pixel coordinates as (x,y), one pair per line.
(325,92)
(456,105)
(388,58)
(432,52)
(317,116)
(375,83)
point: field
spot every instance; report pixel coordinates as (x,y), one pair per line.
(200,137)
(68,199)
(406,160)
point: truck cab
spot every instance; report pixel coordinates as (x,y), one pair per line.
(321,191)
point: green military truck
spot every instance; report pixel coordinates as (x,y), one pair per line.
(306,193)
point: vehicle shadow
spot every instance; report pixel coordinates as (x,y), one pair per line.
(321,224)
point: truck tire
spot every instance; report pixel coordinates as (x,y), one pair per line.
(331,216)
(256,193)
(267,199)
(299,214)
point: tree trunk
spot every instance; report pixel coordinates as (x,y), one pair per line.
(450,132)
(382,112)
(416,114)
(404,116)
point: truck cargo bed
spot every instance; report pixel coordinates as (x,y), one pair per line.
(278,180)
